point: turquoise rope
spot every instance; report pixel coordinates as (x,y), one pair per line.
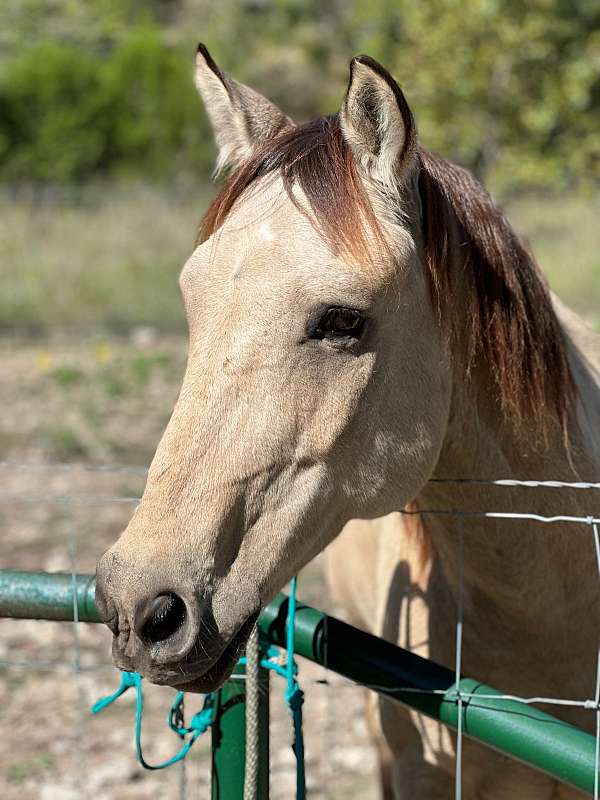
(203,719)
(294,696)
(199,723)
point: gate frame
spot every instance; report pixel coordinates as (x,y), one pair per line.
(513,727)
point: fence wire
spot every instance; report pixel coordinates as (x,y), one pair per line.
(323,679)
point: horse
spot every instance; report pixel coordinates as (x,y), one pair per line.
(364,325)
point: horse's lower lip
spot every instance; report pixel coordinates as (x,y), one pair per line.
(213,677)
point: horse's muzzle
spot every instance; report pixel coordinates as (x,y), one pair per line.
(169,635)
(158,634)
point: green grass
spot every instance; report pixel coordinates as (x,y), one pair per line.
(110,259)
(564,234)
(109,256)
(25,768)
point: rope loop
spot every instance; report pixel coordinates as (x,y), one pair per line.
(199,723)
(203,719)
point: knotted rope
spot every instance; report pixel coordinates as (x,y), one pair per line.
(199,723)
(294,696)
(203,719)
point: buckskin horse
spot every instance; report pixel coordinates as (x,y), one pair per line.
(364,321)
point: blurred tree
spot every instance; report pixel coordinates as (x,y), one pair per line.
(54,115)
(511,89)
(508,88)
(153,106)
(68,113)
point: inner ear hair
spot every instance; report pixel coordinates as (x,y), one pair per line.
(377,122)
(240,117)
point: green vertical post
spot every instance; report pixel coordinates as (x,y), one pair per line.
(264,717)
(228,734)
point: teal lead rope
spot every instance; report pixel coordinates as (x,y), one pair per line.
(203,719)
(199,723)
(294,696)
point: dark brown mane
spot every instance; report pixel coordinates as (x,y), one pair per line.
(506,312)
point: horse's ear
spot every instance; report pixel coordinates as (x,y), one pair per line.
(239,116)
(377,122)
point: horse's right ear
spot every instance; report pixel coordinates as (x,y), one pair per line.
(377,122)
(240,117)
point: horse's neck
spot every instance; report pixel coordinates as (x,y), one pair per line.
(519,566)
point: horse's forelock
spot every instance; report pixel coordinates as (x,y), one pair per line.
(315,157)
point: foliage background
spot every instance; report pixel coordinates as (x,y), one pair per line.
(509,88)
(106,154)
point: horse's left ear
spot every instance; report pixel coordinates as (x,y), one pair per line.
(240,117)
(377,122)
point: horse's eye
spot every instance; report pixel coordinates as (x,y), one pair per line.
(338,322)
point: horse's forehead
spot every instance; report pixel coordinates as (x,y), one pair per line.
(266,218)
(269,235)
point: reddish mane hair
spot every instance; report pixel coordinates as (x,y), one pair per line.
(509,323)
(316,157)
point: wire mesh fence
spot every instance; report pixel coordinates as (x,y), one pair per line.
(341,762)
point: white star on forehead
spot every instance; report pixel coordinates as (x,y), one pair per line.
(265,232)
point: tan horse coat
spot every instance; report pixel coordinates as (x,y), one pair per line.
(531,605)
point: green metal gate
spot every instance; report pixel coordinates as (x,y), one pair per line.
(513,727)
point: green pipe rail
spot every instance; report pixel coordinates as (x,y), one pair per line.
(515,729)
(48,595)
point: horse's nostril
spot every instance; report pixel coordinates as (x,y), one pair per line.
(164,617)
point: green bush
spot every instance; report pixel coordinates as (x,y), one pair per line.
(55,116)
(510,89)
(157,125)
(66,114)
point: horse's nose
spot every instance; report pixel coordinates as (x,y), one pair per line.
(158,626)
(166,626)
(162,620)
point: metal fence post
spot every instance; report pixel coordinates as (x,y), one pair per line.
(228,734)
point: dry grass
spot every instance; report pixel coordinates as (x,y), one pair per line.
(91,399)
(565,236)
(109,256)
(102,257)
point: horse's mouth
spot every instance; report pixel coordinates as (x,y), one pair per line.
(215,676)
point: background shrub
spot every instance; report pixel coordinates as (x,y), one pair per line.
(510,89)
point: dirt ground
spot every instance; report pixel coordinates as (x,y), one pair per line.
(95,400)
